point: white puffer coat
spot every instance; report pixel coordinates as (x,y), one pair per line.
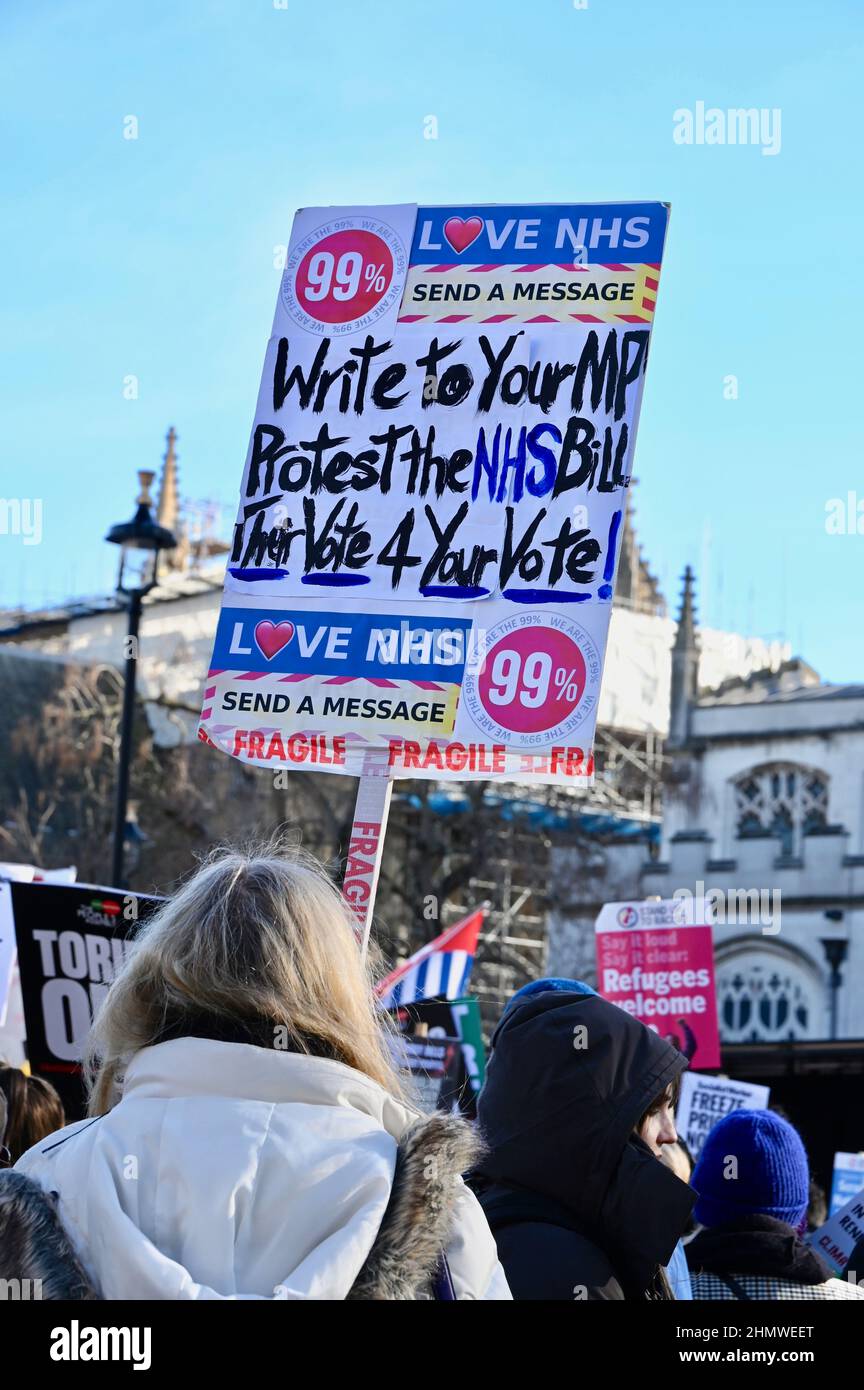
(234,1171)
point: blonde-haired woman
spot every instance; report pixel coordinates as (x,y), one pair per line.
(248,1136)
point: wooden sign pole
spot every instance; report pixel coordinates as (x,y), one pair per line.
(366,847)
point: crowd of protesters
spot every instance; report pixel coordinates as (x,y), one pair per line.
(249,1137)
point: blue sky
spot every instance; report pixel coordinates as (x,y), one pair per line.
(154,257)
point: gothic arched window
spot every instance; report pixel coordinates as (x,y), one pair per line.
(766,995)
(782,799)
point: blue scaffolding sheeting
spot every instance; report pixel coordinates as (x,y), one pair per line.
(544,817)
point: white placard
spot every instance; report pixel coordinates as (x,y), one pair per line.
(706,1099)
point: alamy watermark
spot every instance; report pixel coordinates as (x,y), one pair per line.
(20,1290)
(77,1343)
(712,125)
(22,516)
(755,907)
(844,516)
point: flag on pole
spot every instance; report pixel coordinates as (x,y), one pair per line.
(440,968)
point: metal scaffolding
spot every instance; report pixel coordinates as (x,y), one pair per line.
(515,878)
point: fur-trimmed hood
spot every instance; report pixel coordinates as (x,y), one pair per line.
(35,1251)
(234,1171)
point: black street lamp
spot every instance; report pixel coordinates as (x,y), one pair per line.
(836,949)
(140,541)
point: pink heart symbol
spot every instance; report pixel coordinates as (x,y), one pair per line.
(272,637)
(461,234)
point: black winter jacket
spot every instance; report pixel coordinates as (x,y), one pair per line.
(758,1257)
(579,1206)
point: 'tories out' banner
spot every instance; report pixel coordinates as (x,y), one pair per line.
(18,873)
(431,508)
(72,940)
(656,960)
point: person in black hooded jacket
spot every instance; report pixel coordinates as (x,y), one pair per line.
(578,1203)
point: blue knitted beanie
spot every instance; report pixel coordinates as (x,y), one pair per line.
(554,982)
(769,1175)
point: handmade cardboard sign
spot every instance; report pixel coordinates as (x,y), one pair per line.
(656,960)
(424,555)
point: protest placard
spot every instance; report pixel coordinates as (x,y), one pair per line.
(431,1063)
(19,873)
(24,874)
(706,1099)
(72,940)
(847,1180)
(449,1020)
(467,1015)
(656,960)
(424,555)
(836,1240)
